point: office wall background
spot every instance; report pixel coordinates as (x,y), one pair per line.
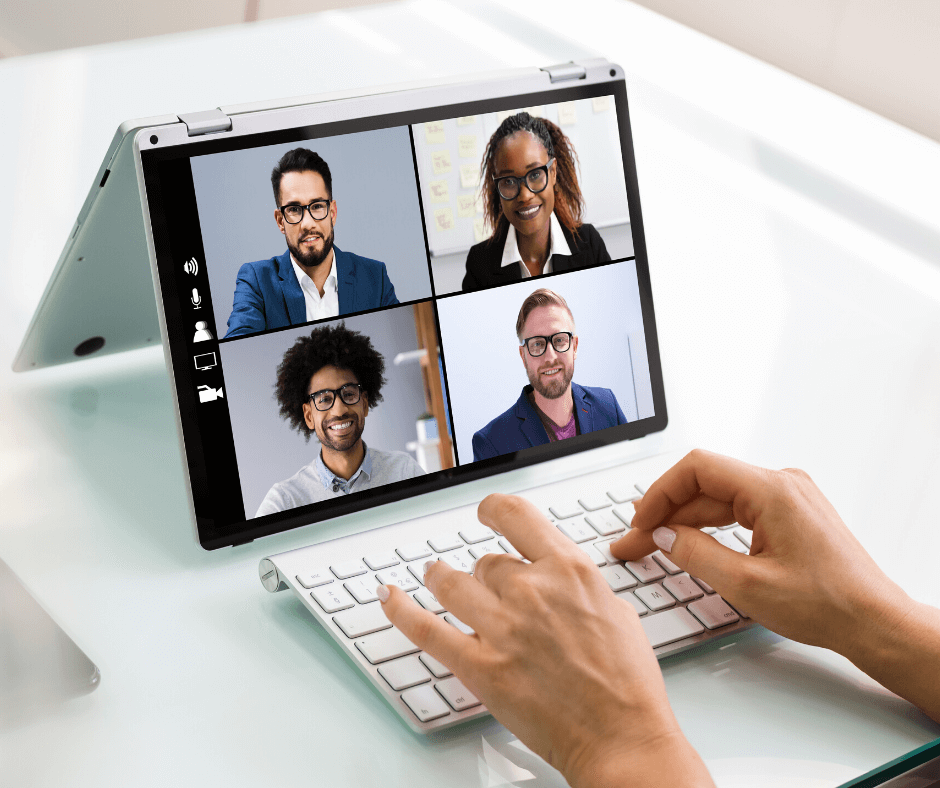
(485,374)
(267,450)
(378,214)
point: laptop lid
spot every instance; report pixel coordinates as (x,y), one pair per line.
(339,282)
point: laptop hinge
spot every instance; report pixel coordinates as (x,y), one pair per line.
(564,72)
(209,122)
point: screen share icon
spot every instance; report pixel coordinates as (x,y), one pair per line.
(205,361)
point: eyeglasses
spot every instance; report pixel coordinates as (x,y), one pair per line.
(294,214)
(538,345)
(350,393)
(535,180)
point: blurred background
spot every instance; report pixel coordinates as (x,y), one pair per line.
(882,56)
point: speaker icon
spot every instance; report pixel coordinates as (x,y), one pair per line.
(191,266)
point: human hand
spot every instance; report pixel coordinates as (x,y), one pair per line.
(556,657)
(807,577)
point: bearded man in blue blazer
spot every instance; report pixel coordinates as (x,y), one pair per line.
(551,407)
(313,279)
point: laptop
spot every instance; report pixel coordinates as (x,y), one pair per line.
(372,297)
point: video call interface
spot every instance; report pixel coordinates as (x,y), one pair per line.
(372,308)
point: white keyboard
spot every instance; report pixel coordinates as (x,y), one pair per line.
(677,611)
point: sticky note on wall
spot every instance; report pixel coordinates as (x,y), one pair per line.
(469,175)
(439,191)
(444,219)
(601,103)
(467,146)
(466,205)
(440,162)
(467,120)
(567,114)
(434,133)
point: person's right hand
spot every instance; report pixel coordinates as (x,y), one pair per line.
(807,576)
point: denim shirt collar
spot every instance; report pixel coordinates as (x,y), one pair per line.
(331,481)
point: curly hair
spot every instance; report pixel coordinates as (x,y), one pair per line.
(569,203)
(329,346)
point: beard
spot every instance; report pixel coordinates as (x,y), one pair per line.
(312,258)
(341,442)
(555,386)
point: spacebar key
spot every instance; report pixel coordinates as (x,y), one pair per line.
(383,646)
(669,626)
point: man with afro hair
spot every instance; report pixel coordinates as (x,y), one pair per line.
(326,384)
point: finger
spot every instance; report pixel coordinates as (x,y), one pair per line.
(700,512)
(699,472)
(493,570)
(633,545)
(701,556)
(463,595)
(524,525)
(427,631)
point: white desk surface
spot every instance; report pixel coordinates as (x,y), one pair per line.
(794,242)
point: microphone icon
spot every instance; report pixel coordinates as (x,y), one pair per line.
(196,298)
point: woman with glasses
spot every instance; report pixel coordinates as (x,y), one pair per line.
(532,199)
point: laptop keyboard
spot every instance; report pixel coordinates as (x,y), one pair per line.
(672,606)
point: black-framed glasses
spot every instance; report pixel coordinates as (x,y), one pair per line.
(350,393)
(535,180)
(294,214)
(538,345)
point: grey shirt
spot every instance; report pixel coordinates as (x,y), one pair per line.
(315,482)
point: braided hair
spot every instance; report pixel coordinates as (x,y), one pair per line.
(569,203)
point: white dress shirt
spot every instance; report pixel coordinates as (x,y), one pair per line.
(319,307)
(556,245)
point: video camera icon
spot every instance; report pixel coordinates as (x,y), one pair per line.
(209,394)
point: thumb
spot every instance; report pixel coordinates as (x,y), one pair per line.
(701,556)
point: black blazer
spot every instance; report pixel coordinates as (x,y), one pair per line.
(484,261)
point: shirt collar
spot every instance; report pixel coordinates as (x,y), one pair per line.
(306,283)
(334,483)
(558,244)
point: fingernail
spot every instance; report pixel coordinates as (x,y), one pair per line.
(664,538)
(382,593)
(428,565)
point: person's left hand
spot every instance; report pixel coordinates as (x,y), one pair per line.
(556,656)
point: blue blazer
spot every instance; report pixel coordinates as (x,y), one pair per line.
(520,427)
(268,295)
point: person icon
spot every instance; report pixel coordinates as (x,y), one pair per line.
(202,332)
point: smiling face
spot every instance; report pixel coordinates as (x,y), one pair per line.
(550,374)
(529,213)
(339,428)
(309,241)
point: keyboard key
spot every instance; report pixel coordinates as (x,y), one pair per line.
(683,588)
(727,527)
(348,569)
(417,570)
(665,563)
(363,588)
(563,512)
(414,552)
(404,673)
(655,597)
(428,601)
(593,554)
(646,570)
(670,626)
(714,612)
(332,598)
(426,704)
(594,502)
(708,589)
(577,530)
(737,610)
(459,560)
(641,609)
(456,622)
(643,486)
(487,548)
(316,578)
(618,578)
(623,494)
(383,646)
(744,535)
(476,533)
(397,577)
(709,530)
(439,669)
(728,539)
(441,544)
(456,694)
(625,513)
(381,560)
(362,620)
(507,546)
(604,523)
(604,549)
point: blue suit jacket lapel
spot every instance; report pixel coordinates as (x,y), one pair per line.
(529,422)
(293,295)
(583,411)
(345,281)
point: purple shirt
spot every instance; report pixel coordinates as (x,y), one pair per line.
(555,433)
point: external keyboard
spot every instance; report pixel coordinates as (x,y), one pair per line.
(676,611)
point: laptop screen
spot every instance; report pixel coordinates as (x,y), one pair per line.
(362,311)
